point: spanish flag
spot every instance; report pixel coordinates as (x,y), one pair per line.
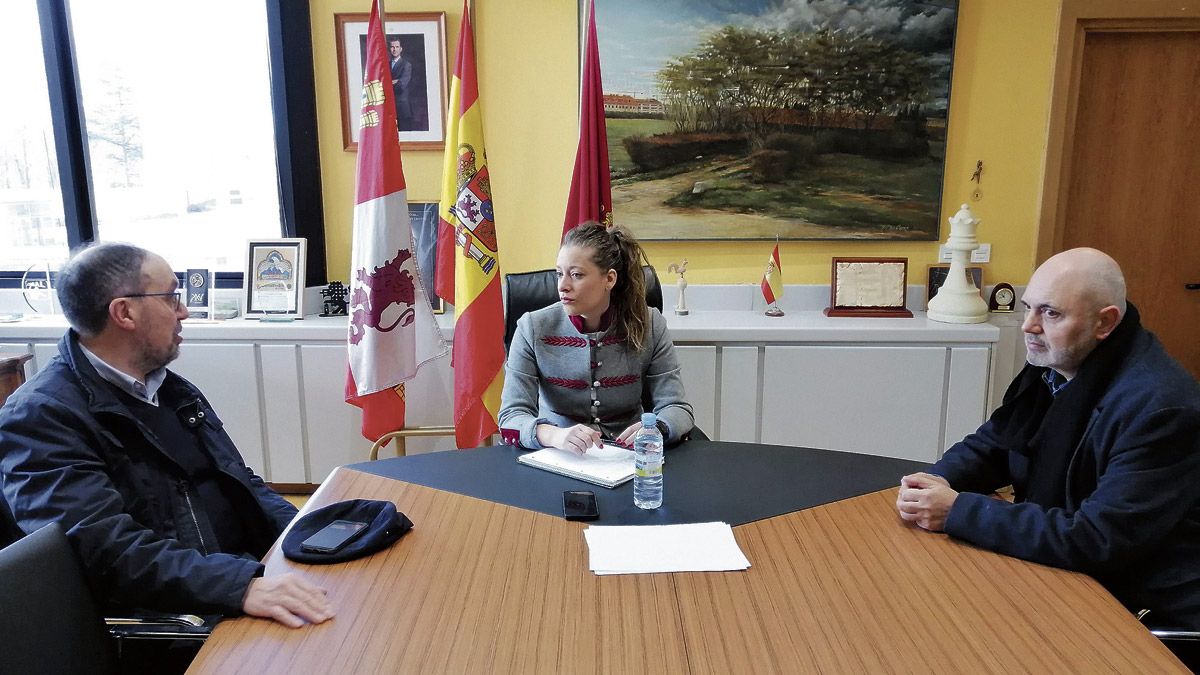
(772,281)
(468,268)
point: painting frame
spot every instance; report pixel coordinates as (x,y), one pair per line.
(422,34)
(423,222)
(937,274)
(273,284)
(822,179)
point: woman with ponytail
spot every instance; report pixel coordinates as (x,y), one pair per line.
(583,368)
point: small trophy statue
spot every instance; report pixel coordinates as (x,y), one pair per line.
(335,299)
(680,283)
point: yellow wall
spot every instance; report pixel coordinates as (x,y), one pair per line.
(528,71)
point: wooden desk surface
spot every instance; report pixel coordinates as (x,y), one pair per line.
(841,588)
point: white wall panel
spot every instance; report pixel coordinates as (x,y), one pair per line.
(42,353)
(966,393)
(698,369)
(282,415)
(739,394)
(334,426)
(874,400)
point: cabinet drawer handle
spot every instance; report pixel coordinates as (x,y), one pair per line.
(1192,287)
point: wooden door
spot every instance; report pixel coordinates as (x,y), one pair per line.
(1134,188)
(1128,177)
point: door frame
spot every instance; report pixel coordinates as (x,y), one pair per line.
(1076,19)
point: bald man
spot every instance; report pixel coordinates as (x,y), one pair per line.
(1099,436)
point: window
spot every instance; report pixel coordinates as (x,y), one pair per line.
(179,126)
(187,139)
(32,228)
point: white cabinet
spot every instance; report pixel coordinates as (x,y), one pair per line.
(906,400)
(894,387)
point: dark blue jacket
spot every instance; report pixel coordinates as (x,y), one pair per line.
(71,452)
(1132,518)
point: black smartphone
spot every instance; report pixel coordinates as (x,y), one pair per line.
(580,505)
(332,537)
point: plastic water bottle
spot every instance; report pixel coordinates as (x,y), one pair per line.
(648,463)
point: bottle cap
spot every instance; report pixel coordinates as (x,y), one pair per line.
(649,419)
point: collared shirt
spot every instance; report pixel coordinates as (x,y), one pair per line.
(1055,381)
(147,392)
(605,320)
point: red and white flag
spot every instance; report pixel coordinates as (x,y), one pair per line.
(591,183)
(392,328)
(772,281)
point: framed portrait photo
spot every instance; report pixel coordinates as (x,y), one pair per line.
(274,278)
(417,57)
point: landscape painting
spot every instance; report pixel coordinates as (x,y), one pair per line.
(797,119)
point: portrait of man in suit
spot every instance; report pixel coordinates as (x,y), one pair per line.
(402,73)
(406,59)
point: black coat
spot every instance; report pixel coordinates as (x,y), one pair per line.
(1132,513)
(72,452)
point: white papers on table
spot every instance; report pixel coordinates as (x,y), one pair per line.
(609,466)
(642,549)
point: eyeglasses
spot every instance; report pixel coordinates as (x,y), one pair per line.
(178,294)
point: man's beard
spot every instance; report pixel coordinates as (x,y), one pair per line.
(1067,358)
(152,359)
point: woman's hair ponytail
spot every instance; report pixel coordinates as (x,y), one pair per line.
(615,248)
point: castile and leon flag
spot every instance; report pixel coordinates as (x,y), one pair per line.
(392,328)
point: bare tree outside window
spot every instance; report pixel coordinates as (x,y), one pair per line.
(115,132)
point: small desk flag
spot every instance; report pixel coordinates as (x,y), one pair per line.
(772,281)
(392,328)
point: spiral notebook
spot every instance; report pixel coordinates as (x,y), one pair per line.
(608,467)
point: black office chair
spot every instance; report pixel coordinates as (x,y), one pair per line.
(1185,644)
(49,622)
(531,291)
(51,619)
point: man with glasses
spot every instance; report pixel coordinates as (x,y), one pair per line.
(132,461)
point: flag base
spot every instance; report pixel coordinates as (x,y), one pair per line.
(773,311)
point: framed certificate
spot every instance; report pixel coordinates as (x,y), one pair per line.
(274,278)
(870,287)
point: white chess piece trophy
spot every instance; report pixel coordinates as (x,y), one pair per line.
(680,283)
(958,300)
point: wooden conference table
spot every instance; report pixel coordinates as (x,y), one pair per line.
(843,587)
